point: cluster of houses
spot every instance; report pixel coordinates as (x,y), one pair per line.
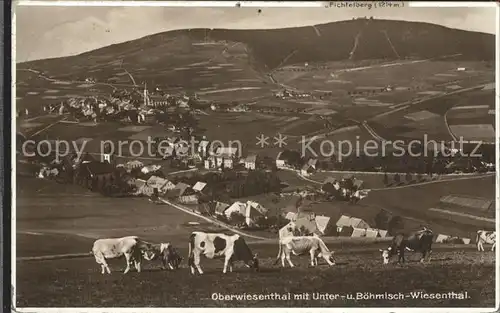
(307,223)
(130,106)
(289,94)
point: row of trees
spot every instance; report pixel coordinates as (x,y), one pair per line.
(233,184)
(423,164)
(393,224)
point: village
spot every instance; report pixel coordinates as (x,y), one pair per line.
(214,180)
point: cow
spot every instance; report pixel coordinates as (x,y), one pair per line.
(486,237)
(304,244)
(217,245)
(116,247)
(420,241)
(168,255)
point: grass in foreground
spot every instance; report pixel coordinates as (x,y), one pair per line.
(78,282)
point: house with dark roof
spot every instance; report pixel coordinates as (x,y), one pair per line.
(94,174)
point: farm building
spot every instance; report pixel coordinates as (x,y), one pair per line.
(95,174)
(371,233)
(382,233)
(312,163)
(163,185)
(290,216)
(312,224)
(347,221)
(322,223)
(250,162)
(440,238)
(238,207)
(220,208)
(306,170)
(199,186)
(280,162)
(358,232)
(178,191)
(203,148)
(150,169)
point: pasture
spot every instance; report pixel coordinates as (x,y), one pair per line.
(78,282)
(417,76)
(402,125)
(429,195)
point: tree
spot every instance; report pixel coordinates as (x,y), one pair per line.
(382,219)
(408,177)
(237,218)
(397,179)
(395,225)
(386,179)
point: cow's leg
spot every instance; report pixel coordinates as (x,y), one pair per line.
(230,266)
(137,266)
(493,247)
(127,259)
(288,259)
(226,262)
(424,254)
(170,266)
(283,257)
(401,258)
(99,259)
(313,257)
(480,246)
(197,263)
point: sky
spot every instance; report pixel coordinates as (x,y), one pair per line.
(47,32)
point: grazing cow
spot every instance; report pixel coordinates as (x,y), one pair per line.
(486,237)
(116,247)
(168,255)
(303,244)
(420,241)
(217,245)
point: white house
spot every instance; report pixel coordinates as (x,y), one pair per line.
(280,163)
(199,186)
(228,163)
(203,147)
(306,170)
(250,162)
(237,206)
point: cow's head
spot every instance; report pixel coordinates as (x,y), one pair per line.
(386,254)
(149,252)
(242,252)
(327,255)
(254,263)
(170,254)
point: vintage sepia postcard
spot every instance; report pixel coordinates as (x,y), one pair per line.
(254,155)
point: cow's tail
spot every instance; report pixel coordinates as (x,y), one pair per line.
(279,253)
(190,250)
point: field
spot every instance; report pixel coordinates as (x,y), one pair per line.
(398,125)
(78,282)
(428,196)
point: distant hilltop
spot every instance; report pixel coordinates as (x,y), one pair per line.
(356,39)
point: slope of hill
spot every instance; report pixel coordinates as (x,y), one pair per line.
(202,58)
